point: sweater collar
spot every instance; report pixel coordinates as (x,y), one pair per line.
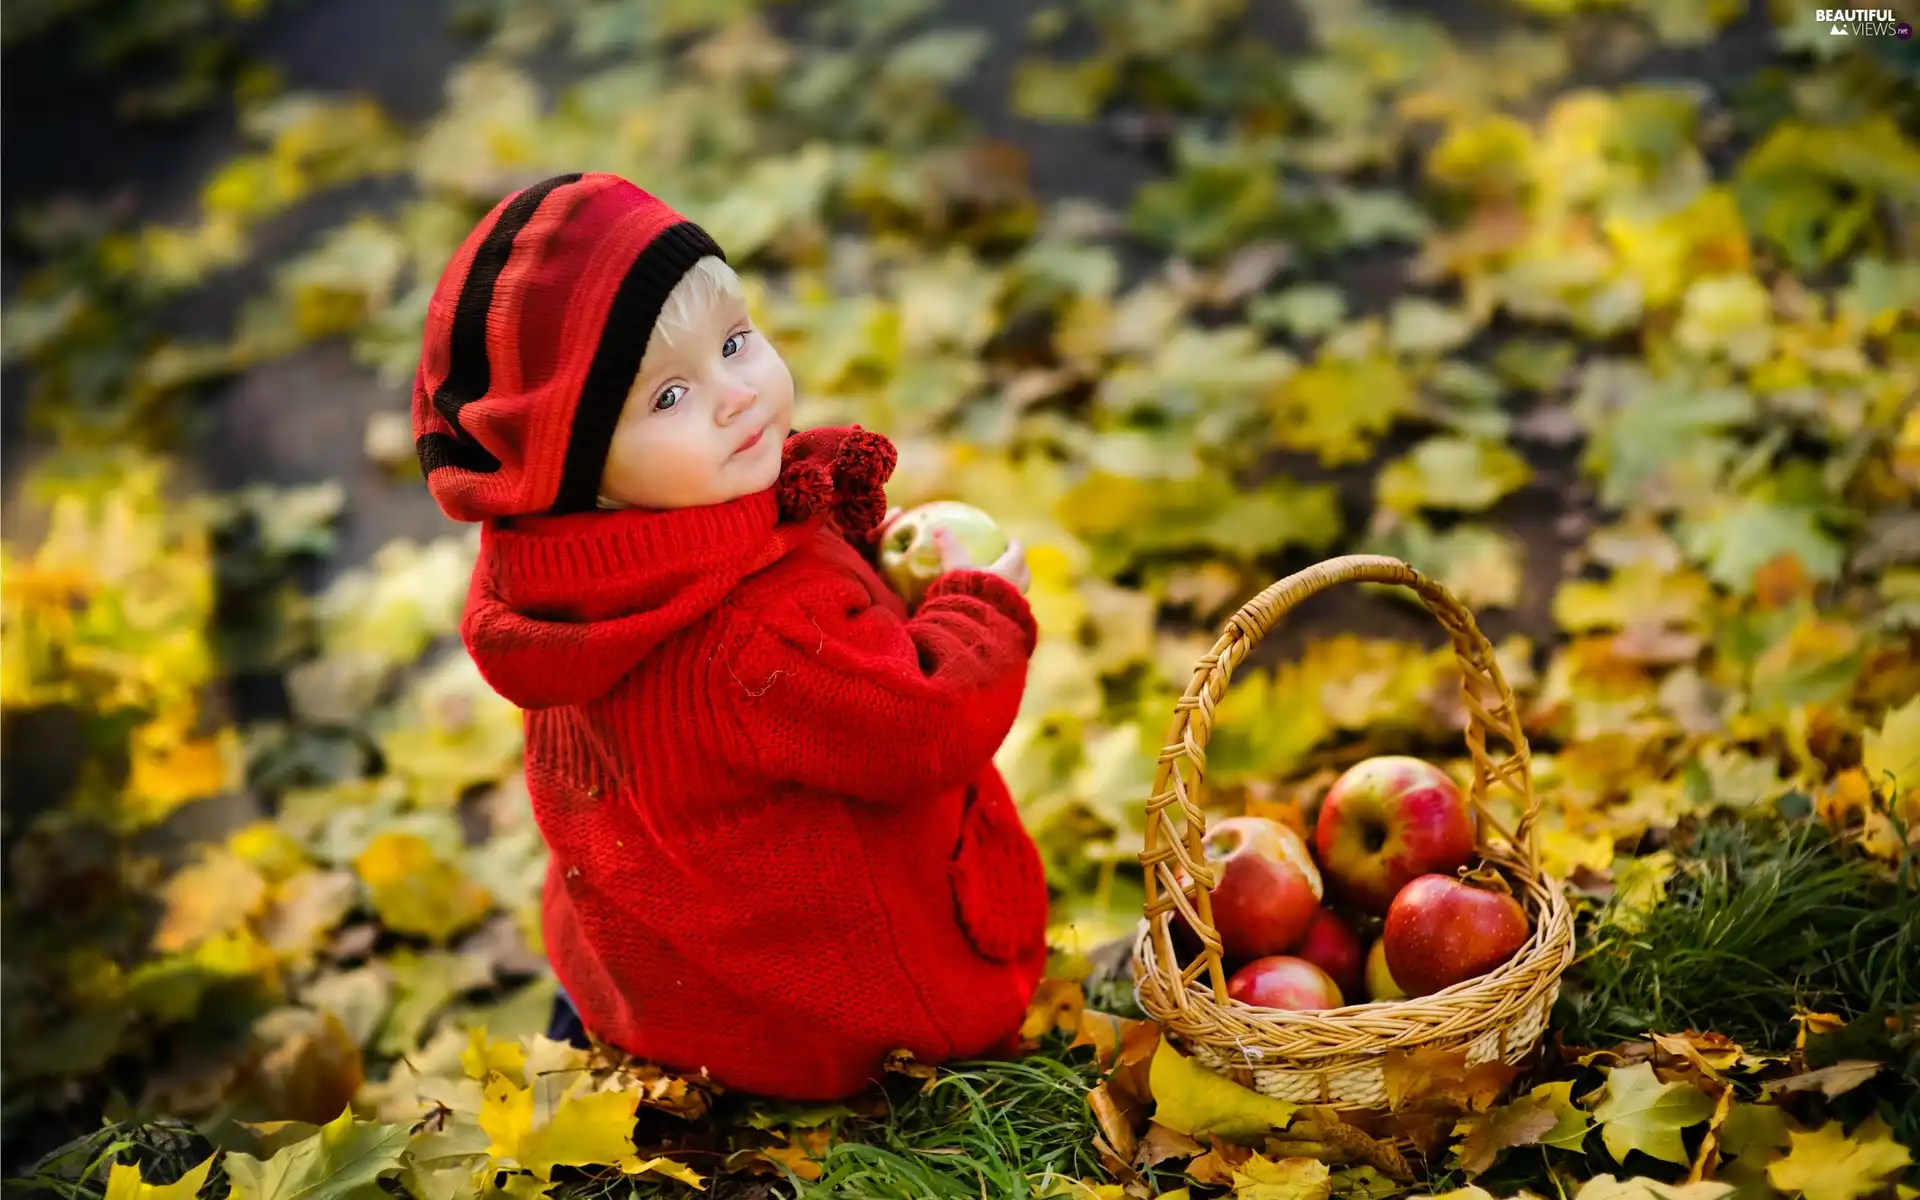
(561,607)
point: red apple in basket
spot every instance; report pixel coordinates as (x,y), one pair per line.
(1329,944)
(1387,820)
(909,557)
(1441,931)
(1282,981)
(1267,888)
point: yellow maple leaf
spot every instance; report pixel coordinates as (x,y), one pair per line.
(585,1129)
(1891,753)
(415,891)
(1562,851)
(484,1056)
(125,1182)
(1826,1164)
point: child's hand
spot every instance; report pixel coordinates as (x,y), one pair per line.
(1011,566)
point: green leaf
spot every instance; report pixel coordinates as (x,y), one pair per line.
(1638,1112)
(1736,536)
(343,1161)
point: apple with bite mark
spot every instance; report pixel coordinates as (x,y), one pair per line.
(909,557)
(1387,820)
(1267,888)
(1329,944)
(1283,981)
(1380,984)
(1441,931)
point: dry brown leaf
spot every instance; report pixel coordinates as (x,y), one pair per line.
(1838,1079)
(1161,1144)
(902,1062)
(1522,1123)
(1711,1053)
(1436,1078)
(1707,1160)
(1326,1134)
(1057,1004)
(1118,1120)
(1215,1168)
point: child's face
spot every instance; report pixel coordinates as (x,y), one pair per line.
(683,437)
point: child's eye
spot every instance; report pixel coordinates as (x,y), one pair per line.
(669,398)
(733,345)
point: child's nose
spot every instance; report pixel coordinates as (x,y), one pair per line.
(736,398)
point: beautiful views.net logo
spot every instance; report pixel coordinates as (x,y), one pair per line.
(1863,22)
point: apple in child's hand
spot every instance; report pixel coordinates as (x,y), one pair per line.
(1387,820)
(1330,945)
(909,557)
(1440,931)
(1283,981)
(1267,889)
(1380,984)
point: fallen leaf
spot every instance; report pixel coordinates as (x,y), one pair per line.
(583,1129)
(417,892)
(1161,1144)
(1116,1123)
(1606,1187)
(1215,1168)
(1288,1179)
(1754,1131)
(1891,754)
(1829,1164)
(125,1182)
(1056,1004)
(214,896)
(343,1157)
(1192,1100)
(801,1156)
(1838,1079)
(1711,1053)
(1570,1123)
(1638,1112)
(1484,1137)
(1432,1077)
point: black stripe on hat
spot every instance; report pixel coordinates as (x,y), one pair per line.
(616,357)
(469,374)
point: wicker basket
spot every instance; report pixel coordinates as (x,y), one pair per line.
(1336,1057)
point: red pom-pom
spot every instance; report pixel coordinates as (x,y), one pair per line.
(842,471)
(860,472)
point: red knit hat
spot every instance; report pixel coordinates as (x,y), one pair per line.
(533,338)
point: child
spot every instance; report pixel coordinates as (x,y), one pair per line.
(779,847)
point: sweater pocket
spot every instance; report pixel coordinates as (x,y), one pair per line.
(999,886)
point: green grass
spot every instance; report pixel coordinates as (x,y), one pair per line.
(1763,917)
(1767,916)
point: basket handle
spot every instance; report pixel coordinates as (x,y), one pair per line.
(1169,851)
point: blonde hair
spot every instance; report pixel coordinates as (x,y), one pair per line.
(707,284)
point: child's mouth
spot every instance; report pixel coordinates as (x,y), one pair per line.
(751,442)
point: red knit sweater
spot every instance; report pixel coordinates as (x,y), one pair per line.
(780,849)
